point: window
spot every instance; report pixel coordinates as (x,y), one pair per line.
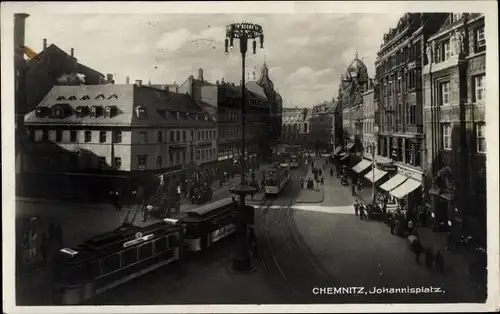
(60,98)
(146,251)
(88,136)
(72,98)
(160,245)
(447,136)
(113,97)
(445,93)
(100,96)
(117,163)
(171,136)
(86,97)
(183,136)
(142,161)
(102,162)
(159,162)
(58,135)
(143,137)
(111,263)
(72,136)
(160,136)
(479,88)
(481,137)
(129,257)
(202,154)
(178,136)
(117,136)
(447,50)
(102,137)
(480,40)
(192,135)
(457,16)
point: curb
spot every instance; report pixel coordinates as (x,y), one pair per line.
(314,202)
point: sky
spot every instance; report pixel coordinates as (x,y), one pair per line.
(306,53)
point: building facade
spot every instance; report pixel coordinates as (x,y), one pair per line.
(295,128)
(370,116)
(400,94)
(124,136)
(454,111)
(321,126)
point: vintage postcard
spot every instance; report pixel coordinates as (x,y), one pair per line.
(250,157)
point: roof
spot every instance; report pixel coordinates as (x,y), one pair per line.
(264,79)
(161,106)
(256,89)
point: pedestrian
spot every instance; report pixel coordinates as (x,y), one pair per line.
(361,212)
(302,183)
(429,258)
(391,223)
(417,249)
(439,261)
(44,246)
(353,188)
(331,172)
(356,207)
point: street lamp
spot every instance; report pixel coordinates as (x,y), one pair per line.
(374,163)
(244,32)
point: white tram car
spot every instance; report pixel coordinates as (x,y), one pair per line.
(276,179)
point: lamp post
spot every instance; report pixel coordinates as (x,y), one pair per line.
(243,31)
(374,163)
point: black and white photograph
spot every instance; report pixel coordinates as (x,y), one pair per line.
(250,156)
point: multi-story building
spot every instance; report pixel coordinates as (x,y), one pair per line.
(454,110)
(295,128)
(349,110)
(370,116)
(399,75)
(87,140)
(223,101)
(321,126)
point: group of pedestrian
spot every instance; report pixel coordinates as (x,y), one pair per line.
(431,259)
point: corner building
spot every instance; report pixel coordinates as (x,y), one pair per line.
(454,110)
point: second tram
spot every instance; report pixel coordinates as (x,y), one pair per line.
(276,178)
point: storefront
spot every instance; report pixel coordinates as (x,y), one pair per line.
(359,169)
(405,187)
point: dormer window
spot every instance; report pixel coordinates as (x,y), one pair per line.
(140,112)
(96,111)
(57,112)
(86,97)
(61,98)
(112,97)
(40,111)
(100,96)
(110,111)
(81,111)
(72,98)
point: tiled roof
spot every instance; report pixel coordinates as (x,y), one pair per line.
(161,106)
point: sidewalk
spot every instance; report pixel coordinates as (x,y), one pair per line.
(311,196)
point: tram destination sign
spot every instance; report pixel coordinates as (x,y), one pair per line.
(138,240)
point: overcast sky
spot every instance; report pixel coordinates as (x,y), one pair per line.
(305,53)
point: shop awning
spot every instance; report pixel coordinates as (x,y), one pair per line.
(379,174)
(350,145)
(362,165)
(337,150)
(406,188)
(343,156)
(393,182)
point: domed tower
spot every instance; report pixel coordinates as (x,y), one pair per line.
(357,71)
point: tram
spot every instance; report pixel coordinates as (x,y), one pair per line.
(276,179)
(208,224)
(111,259)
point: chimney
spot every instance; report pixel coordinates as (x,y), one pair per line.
(127,80)
(200,74)
(138,82)
(72,52)
(44,43)
(109,78)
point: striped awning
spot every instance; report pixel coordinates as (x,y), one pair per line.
(406,188)
(337,150)
(375,173)
(350,145)
(343,156)
(393,182)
